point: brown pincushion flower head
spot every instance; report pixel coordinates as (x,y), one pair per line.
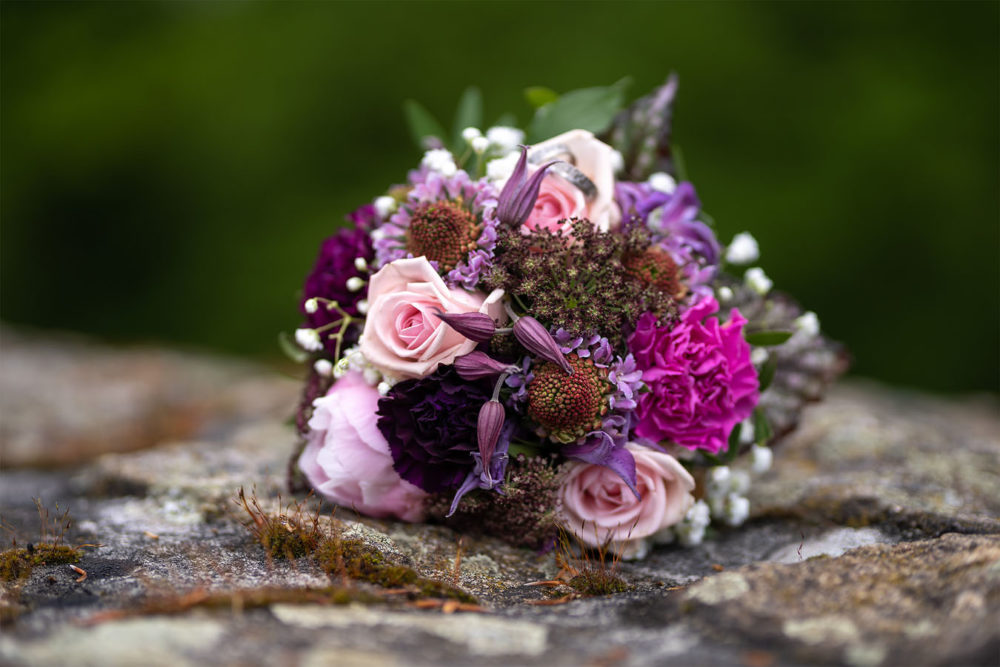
(567,407)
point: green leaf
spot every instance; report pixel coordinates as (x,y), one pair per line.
(766,338)
(468,114)
(539,96)
(291,350)
(766,375)
(506,120)
(586,109)
(761,427)
(422,124)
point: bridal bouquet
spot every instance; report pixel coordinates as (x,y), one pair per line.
(540,332)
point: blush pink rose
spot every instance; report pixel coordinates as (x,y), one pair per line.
(403,337)
(558,199)
(599,508)
(346,459)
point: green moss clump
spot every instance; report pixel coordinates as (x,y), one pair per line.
(356,560)
(593,581)
(18,563)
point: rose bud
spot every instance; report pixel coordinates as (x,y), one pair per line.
(474,326)
(537,340)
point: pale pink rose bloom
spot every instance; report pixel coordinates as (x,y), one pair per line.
(599,508)
(403,337)
(346,459)
(559,199)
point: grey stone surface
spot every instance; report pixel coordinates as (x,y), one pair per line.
(875,540)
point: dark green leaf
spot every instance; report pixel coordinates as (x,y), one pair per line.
(422,124)
(586,109)
(768,337)
(291,350)
(468,114)
(539,96)
(767,372)
(733,447)
(761,427)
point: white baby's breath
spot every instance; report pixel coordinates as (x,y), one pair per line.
(323,367)
(312,305)
(355,284)
(808,323)
(441,161)
(384,206)
(757,280)
(760,459)
(743,249)
(308,339)
(662,182)
(500,169)
(505,138)
(480,144)
(470,134)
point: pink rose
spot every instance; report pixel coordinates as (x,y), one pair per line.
(403,337)
(559,199)
(346,459)
(598,507)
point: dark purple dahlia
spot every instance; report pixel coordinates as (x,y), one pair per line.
(328,280)
(430,425)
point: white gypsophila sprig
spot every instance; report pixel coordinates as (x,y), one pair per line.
(691,530)
(504,139)
(761,458)
(470,134)
(440,160)
(662,182)
(308,339)
(743,249)
(808,323)
(500,169)
(323,367)
(385,206)
(757,280)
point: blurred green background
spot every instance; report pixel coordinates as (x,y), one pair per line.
(168,170)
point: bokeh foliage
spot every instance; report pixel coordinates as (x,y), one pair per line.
(168,170)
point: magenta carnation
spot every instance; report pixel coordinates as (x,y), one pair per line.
(700,379)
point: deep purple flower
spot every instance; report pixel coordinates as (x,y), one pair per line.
(328,280)
(431,426)
(702,383)
(364,217)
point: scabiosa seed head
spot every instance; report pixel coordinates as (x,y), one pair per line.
(654,266)
(567,407)
(443,231)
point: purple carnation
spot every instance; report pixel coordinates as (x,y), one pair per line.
(328,280)
(430,424)
(702,383)
(478,198)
